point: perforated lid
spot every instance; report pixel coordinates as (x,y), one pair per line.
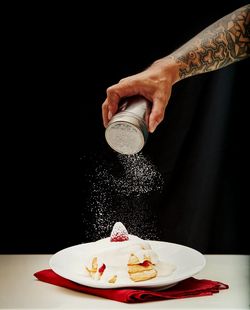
(124,137)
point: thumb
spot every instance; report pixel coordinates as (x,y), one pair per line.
(156,115)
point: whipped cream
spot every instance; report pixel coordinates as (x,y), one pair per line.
(118,253)
(115,256)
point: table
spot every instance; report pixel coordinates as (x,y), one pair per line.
(19,289)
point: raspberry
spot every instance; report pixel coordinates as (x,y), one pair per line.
(102,268)
(119,233)
(118,238)
(146,263)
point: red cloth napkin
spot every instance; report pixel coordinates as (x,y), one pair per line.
(190,287)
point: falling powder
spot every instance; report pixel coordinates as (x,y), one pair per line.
(140,176)
(119,192)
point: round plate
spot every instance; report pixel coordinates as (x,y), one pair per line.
(69,263)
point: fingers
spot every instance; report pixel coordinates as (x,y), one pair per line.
(110,106)
(157,114)
(156,90)
(113,98)
(105,113)
(160,102)
(114,95)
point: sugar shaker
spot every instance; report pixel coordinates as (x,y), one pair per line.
(127,131)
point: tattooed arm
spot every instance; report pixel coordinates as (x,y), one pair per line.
(222,43)
(219,45)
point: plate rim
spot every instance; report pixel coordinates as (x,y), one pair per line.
(154,286)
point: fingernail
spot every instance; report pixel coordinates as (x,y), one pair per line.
(110,115)
(153,127)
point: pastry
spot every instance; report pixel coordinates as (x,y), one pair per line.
(123,258)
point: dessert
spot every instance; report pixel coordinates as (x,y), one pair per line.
(124,257)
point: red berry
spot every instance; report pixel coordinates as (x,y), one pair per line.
(119,238)
(146,263)
(119,233)
(102,268)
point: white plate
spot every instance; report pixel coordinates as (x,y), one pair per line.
(69,263)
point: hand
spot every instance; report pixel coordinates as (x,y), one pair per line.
(155,84)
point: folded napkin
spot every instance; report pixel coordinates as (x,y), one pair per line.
(190,287)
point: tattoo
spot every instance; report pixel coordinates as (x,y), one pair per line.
(224,42)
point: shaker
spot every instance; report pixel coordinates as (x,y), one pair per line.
(127,131)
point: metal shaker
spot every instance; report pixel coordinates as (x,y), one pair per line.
(127,131)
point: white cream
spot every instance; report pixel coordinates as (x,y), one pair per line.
(115,256)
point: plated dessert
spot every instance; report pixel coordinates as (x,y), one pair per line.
(124,257)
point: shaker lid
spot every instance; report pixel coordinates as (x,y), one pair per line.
(125,138)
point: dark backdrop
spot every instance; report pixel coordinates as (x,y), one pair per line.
(197,148)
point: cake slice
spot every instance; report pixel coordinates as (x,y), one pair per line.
(141,271)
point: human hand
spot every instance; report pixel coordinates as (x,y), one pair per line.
(155,84)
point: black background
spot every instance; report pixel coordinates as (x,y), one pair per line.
(197,148)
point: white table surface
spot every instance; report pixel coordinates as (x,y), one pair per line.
(19,289)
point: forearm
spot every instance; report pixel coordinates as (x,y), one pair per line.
(222,43)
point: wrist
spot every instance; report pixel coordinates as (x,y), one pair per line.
(169,67)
